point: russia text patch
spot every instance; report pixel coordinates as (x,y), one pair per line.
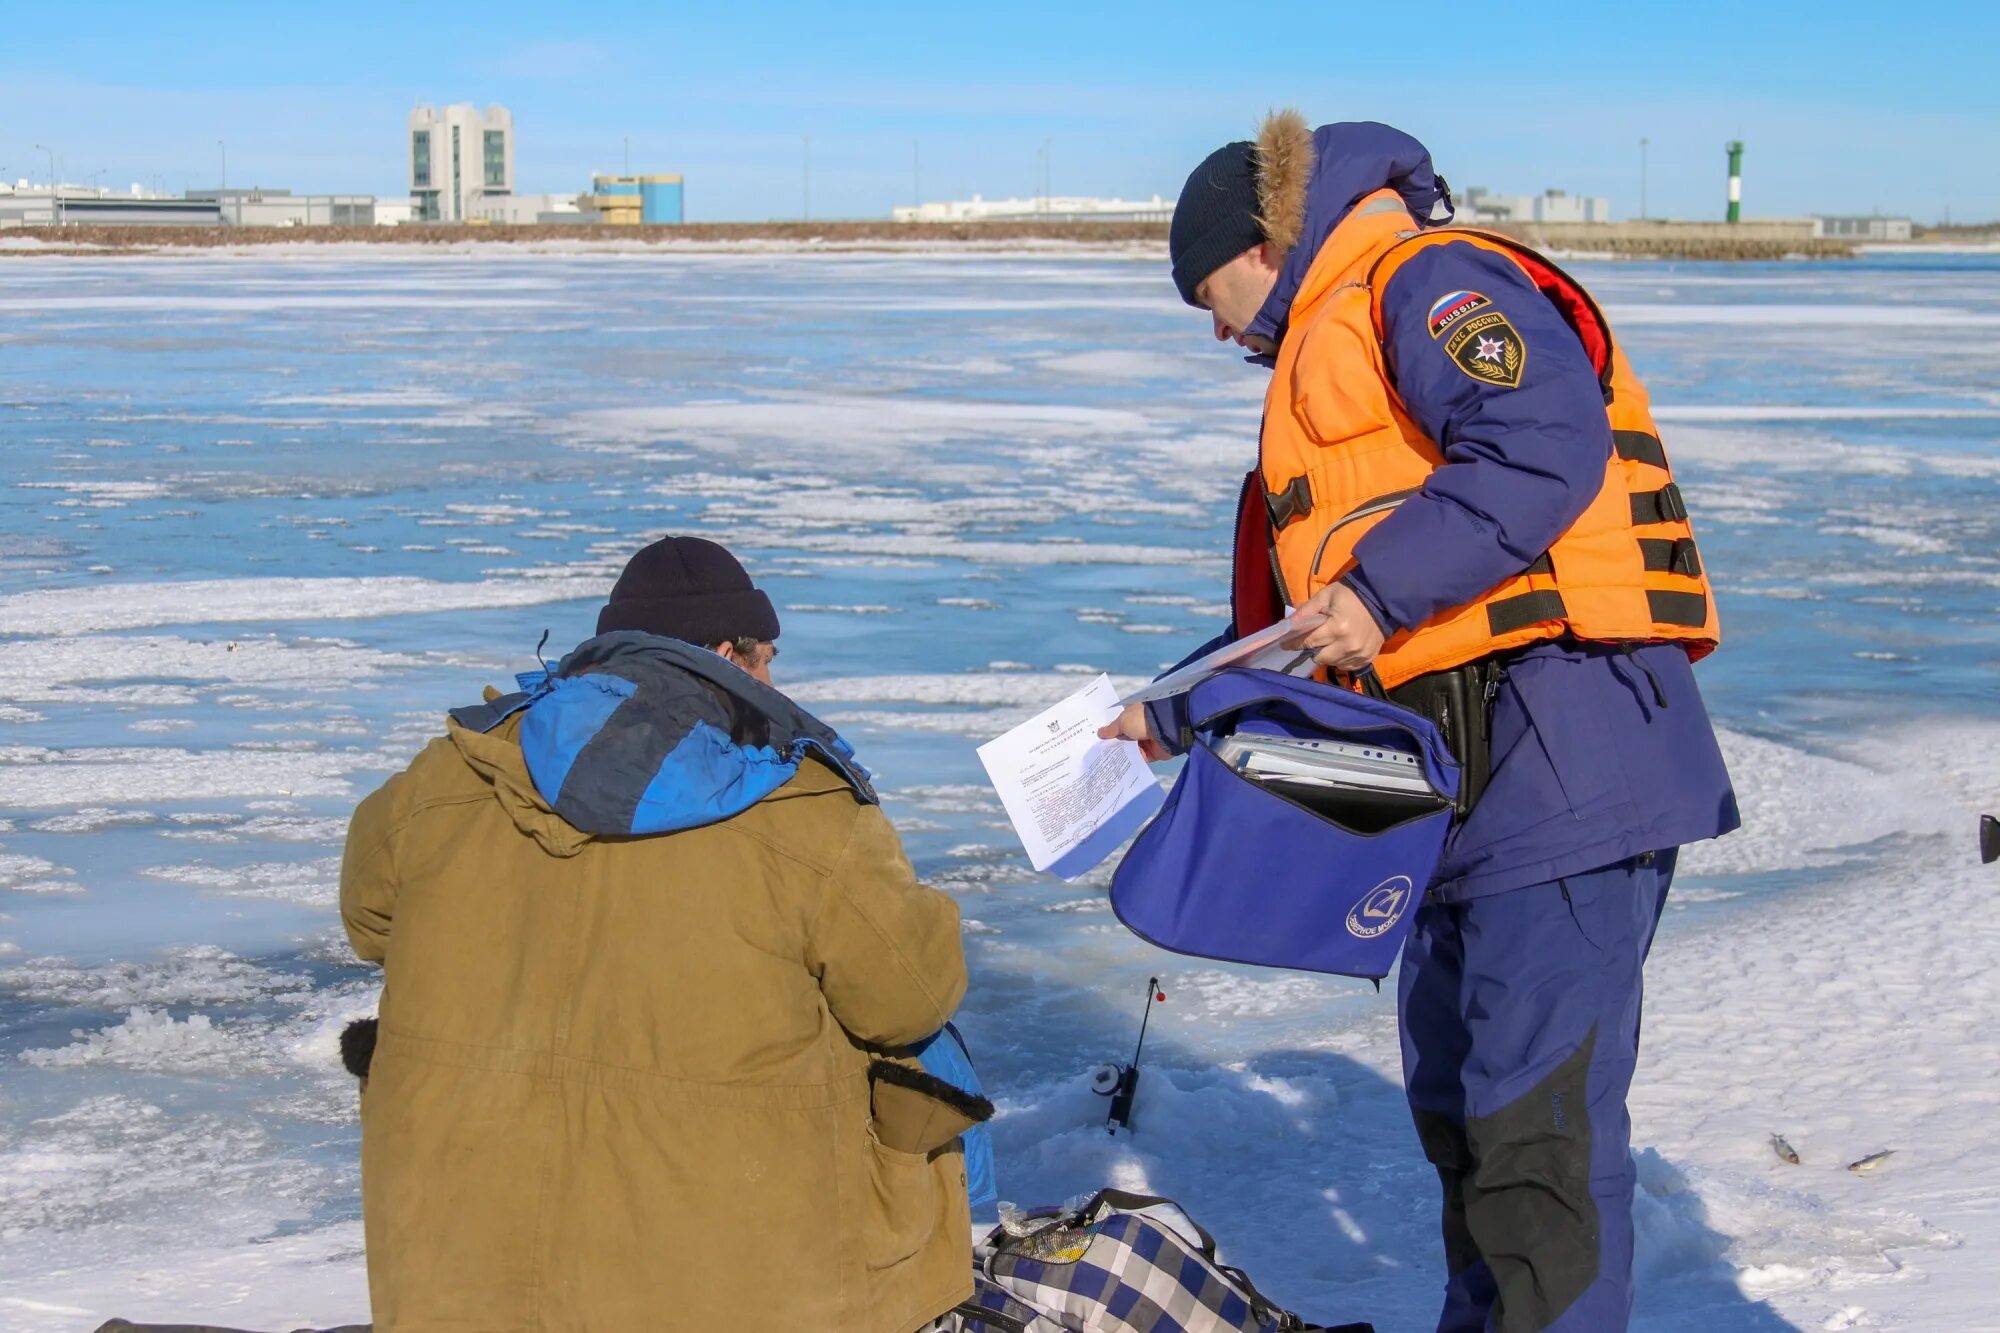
(1453,307)
(1486,347)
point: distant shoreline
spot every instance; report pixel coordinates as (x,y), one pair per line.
(1687,241)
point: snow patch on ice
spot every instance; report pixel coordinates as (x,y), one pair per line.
(314,883)
(1016,689)
(199,974)
(849,423)
(20,873)
(1806,810)
(153,1041)
(95,607)
(93,819)
(36,777)
(1804,317)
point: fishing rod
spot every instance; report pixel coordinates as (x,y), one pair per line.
(1121,1082)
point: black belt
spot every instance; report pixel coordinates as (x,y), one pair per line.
(1459,703)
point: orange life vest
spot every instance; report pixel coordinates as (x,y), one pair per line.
(1340,452)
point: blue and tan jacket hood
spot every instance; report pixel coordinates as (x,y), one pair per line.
(634,734)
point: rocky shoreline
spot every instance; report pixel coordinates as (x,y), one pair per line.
(1619,240)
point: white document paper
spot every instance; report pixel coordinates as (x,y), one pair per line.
(1264,650)
(1073,798)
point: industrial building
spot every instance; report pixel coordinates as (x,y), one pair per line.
(1870,228)
(260,207)
(458,157)
(520,209)
(628,201)
(1479,205)
(1040,208)
(80,205)
(25,205)
(110,210)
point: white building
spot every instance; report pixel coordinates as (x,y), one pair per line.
(261,207)
(520,209)
(25,205)
(1479,205)
(1041,208)
(458,157)
(1869,228)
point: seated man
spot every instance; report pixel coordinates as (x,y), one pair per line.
(647,938)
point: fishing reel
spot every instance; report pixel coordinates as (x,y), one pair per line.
(1989,839)
(1121,1082)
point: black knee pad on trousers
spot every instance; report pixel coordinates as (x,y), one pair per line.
(1527,1202)
(1447,1148)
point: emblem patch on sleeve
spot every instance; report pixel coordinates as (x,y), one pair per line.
(1485,346)
(1453,307)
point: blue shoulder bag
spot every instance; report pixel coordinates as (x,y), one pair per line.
(1282,874)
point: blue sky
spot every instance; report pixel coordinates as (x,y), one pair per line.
(1846,107)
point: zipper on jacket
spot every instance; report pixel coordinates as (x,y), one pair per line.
(1381,504)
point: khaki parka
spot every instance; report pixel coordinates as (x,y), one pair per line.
(621,1083)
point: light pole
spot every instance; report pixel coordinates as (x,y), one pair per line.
(1642,180)
(223,188)
(806,179)
(916,177)
(55,192)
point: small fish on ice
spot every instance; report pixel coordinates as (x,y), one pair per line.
(1871,1161)
(1786,1152)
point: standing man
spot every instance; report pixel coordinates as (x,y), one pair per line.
(653,957)
(1459,468)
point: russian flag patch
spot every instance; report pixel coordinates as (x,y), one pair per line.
(1452,307)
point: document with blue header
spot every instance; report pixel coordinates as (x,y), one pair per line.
(1074,799)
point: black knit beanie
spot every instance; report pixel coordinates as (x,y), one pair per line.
(1216,218)
(689,589)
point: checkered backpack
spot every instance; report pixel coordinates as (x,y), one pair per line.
(1122,1263)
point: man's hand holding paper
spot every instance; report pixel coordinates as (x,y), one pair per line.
(1073,794)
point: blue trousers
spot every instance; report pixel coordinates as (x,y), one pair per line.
(1520,1023)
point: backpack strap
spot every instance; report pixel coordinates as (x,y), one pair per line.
(1139,1203)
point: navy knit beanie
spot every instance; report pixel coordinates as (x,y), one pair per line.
(688,589)
(1216,218)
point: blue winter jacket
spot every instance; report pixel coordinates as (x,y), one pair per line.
(1597,754)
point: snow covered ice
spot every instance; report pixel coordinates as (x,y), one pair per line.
(266,516)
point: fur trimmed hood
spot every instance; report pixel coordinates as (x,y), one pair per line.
(1309,180)
(1284,168)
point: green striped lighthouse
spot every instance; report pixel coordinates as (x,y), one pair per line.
(1735,180)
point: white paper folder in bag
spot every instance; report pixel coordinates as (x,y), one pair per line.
(1365,787)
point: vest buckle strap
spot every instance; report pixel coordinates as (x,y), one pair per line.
(1530,608)
(1678,608)
(1293,502)
(1662,506)
(1665,555)
(1639,446)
